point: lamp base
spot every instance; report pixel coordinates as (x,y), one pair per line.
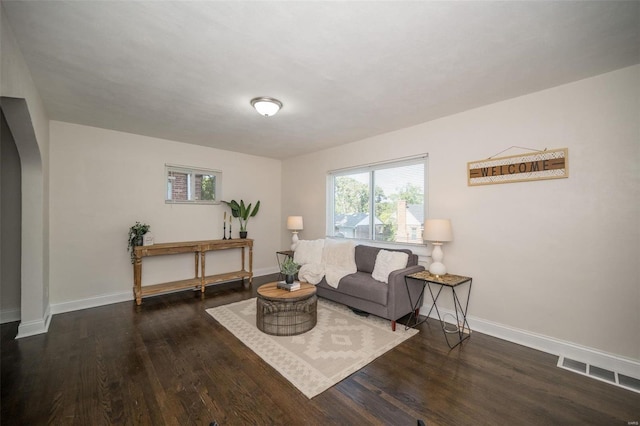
(437,268)
(294,240)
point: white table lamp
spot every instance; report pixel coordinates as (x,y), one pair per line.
(437,231)
(294,224)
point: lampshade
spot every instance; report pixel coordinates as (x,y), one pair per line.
(266,106)
(295,223)
(437,230)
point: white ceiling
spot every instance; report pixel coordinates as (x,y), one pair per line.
(186,71)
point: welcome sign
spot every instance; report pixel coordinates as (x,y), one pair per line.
(552,164)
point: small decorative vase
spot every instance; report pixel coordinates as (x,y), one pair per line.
(289,279)
(243,234)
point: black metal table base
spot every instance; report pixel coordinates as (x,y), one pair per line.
(461,326)
(415,307)
(461,313)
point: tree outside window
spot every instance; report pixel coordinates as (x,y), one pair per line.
(384,203)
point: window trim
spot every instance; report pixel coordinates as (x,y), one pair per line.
(368,168)
(192,171)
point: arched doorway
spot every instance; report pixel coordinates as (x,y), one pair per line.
(10,225)
(34,293)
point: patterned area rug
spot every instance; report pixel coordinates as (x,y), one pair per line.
(340,344)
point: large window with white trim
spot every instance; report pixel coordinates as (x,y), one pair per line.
(191,185)
(379,202)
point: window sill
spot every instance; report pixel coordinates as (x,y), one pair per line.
(422,250)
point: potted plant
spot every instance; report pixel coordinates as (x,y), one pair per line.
(289,269)
(243,213)
(136,234)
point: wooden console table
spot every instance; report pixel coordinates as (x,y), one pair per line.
(201,279)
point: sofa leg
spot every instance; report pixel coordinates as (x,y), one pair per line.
(417,312)
(393,326)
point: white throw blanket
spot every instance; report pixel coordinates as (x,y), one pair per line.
(338,260)
(308,254)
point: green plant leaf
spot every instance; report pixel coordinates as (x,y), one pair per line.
(255,209)
(242,211)
(289,267)
(234,206)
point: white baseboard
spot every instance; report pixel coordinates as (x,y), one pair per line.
(9,315)
(92,302)
(550,345)
(32,328)
(107,299)
(265,271)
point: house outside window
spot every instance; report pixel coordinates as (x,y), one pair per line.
(191,185)
(379,202)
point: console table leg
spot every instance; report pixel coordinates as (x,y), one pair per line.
(137,279)
(202,257)
(251,264)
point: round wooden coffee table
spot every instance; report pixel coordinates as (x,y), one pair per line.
(286,313)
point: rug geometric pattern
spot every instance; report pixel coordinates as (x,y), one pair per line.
(340,344)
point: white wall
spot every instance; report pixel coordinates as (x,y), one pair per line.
(30,128)
(557,258)
(103,181)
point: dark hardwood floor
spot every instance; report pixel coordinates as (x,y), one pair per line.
(168,362)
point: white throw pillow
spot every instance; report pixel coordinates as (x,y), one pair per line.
(387,262)
(308,251)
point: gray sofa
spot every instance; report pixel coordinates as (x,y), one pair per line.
(362,292)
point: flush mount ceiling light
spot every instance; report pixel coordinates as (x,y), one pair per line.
(266,106)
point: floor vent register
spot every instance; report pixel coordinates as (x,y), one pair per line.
(598,373)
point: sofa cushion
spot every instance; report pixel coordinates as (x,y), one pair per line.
(387,262)
(366,257)
(362,285)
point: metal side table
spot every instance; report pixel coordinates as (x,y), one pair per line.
(461,326)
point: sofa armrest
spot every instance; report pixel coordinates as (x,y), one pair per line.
(398,303)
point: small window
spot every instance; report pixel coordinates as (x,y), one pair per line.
(190,185)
